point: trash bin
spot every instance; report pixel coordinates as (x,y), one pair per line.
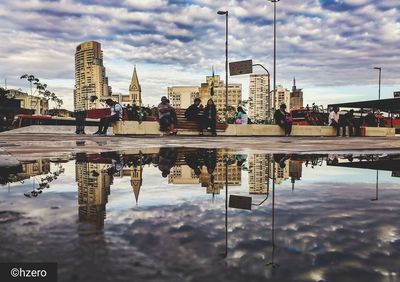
(80,118)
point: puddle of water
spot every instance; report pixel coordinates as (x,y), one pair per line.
(205,214)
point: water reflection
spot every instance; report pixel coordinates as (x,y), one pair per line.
(290,231)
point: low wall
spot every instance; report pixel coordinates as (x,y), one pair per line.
(152,128)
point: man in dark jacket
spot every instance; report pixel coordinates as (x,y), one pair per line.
(193,114)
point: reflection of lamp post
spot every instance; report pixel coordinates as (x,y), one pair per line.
(379,89)
(226,59)
(272,263)
(226,206)
(269,86)
(274,1)
(376,187)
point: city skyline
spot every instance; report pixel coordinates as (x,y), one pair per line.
(330,46)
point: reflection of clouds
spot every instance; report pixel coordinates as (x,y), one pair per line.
(324,230)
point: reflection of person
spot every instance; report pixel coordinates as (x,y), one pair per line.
(210,159)
(281,159)
(240,159)
(116,114)
(193,161)
(332,159)
(166,116)
(210,114)
(193,114)
(240,116)
(166,160)
(284,119)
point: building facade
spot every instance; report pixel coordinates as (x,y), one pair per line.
(182,96)
(296,97)
(38,104)
(282,96)
(259,97)
(214,88)
(91,82)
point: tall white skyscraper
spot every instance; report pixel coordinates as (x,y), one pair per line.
(258,97)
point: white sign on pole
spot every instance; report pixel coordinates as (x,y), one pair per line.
(241,67)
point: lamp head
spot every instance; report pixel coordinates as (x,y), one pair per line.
(222,12)
(377,68)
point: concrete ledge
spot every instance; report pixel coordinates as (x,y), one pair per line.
(152,128)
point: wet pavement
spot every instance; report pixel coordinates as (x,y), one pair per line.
(203,213)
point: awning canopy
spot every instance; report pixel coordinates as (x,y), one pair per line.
(387,105)
(388,165)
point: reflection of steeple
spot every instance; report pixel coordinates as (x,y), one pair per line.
(136,181)
(135,91)
(295,171)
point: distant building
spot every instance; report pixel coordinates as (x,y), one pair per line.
(282,96)
(296,97)
(258,97)
(91,82)
(182,96)
(135,93)
(60,113)
(215,88)
(38,104)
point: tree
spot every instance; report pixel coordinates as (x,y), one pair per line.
(41,88)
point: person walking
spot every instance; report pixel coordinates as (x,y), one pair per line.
(116,114)
(210,115)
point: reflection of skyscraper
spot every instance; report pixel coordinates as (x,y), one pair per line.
(93,190)
(280,174)
(258,174)
(295,171)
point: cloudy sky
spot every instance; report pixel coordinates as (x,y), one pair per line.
(330,46)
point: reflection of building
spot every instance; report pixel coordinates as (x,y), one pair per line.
(91,82)
(258,96)
(258,173)
(135,92)
(282,97)
(136,174)
(234,93)
(296,97)
(182,174)
(182,96)
(39,104)
(29,169)
(93,190)
(295,171)
(280,174)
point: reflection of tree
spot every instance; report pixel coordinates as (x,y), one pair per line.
(45,181)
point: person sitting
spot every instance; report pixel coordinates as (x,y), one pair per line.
(284,119)
(193,114)
(370,119)
(333,120)
(116,114)
(210,115)
(349,120)
(166,117)
(240,116)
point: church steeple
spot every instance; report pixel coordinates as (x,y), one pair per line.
(136,181)
(135,91)
(294,84)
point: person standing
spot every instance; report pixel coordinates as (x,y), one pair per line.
(116,114)
(193,114)
(284,119)
(210,115)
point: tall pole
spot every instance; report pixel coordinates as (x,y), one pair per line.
(274,96)
(379,89)
(226,60)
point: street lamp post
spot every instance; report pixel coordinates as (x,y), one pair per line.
(274,1)
(226,59)
(380,72)
(269,86)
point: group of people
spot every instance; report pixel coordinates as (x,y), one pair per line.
(204,117)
